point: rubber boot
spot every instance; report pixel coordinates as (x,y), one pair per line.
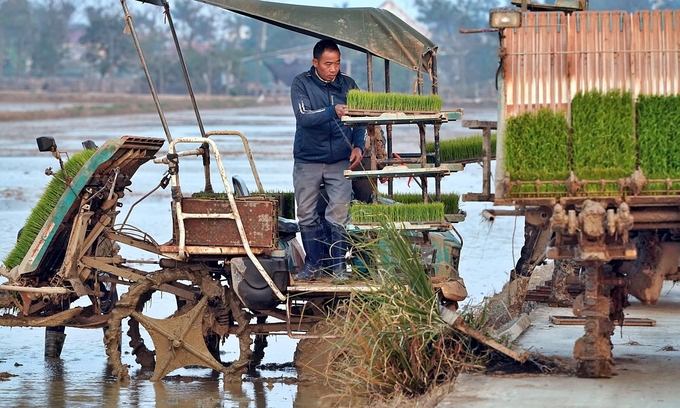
(311,241)
(339,248)
(54,341)
(326,239)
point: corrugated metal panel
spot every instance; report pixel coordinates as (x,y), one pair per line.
(553,56)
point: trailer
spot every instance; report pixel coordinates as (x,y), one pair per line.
(603,83)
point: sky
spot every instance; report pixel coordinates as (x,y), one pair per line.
(407,5)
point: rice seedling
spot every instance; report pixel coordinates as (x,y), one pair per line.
(286,200)
(537,146)
(450,200)
(464,148)
(42,210)
(658,135)
(398,102)
(375,213)
(603,135)
(392,340)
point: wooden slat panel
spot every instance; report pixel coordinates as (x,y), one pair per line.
(535,66)
(553,56)
(600,47)
(656,38)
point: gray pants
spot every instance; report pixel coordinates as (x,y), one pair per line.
(307,177)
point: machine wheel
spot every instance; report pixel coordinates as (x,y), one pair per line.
(183,339)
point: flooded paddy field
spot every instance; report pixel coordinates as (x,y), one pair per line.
(80,377)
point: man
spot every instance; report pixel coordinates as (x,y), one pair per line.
(323,149)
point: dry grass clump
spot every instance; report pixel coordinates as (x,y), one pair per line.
(42,210)
(398,102)
(461,149)
(603,135)
(393,341)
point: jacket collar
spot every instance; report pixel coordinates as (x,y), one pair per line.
(315,77)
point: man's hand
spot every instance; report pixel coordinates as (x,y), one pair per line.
(340,110)
(355,157)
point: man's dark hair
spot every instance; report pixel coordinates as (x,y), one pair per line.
(324,45)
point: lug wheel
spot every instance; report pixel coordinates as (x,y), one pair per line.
(181,340)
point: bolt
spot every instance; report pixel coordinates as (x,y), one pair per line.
(177,343)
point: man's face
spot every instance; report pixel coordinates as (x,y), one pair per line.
(328,65)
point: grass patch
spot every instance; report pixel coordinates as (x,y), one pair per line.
(464,148)
(42,210)
(388,101)
(393,340)
(658,135)
(450,200)
(603,135)
(537,146)
(376,213)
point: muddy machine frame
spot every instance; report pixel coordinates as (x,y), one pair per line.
(547,55)
(228,263)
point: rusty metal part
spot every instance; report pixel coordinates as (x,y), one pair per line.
(133,275)
(591,219)
(128,304)
(42,289)
(592,232)
(234,213)
(246,147)
(179,341)
(57,319)
(592,351)
(143,356)
(186,331)
(205,227)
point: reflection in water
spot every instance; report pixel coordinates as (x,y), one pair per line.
(55,376)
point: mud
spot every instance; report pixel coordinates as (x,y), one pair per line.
(27,105)
(508,304)
(644,374)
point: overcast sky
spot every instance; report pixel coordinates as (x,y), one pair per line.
(407,5)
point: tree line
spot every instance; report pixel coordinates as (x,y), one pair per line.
(76,38)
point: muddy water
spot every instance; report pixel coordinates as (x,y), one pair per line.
(80,377)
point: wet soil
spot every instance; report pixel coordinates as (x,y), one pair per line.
(43,105)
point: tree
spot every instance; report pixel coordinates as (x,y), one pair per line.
(466,62)
(108,50)
(16,39)
(52,22)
